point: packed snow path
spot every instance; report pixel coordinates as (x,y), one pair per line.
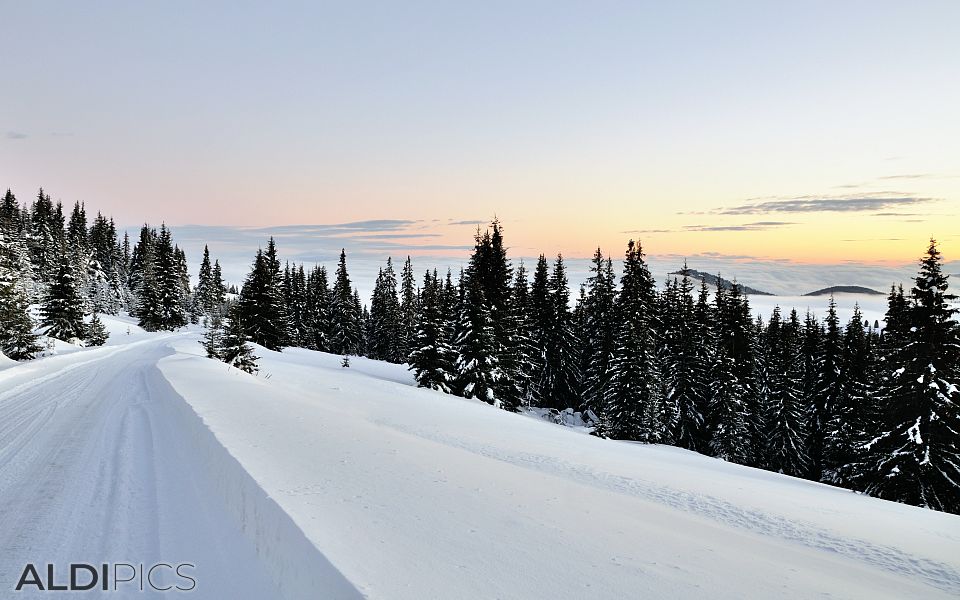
(314,481)
(95,467)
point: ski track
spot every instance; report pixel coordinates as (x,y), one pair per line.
(933,573)
(86,454)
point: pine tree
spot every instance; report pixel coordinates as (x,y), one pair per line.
(432,357)
(685,370)
(169,312)
(854,412)
(386,340)
(634,404)
(345,331)
(915,457)
(786,418)
(61,313)
(96,332)
(213,337)
(558,380)
(598,333)
(236,351)
(477,367)
(204,296)
(828,390)
(318,309)
(17,340)
(261,304)
(409,313)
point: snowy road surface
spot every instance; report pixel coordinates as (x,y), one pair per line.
(314,481)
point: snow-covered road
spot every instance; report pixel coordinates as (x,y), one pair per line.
(314,481)
(93,468)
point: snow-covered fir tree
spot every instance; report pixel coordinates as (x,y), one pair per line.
(96,332)
(634,406)
(684,364)
(235,351)
(432,359)
(386,340)
(261,306)
(61,312)
(915,457)
(786,415)
(345,313)
(597,329)
(17,340)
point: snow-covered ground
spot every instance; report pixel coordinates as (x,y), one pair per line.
(315,481)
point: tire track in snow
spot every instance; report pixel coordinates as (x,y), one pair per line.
(92,470)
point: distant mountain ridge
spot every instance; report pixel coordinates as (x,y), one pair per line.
(713,279)
(845,289)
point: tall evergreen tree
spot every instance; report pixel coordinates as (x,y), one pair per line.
(829,388)
(559,377)
(409,313)
(17,340)
(432,357)
(261,304)
(787,417)
(598,333)
(634,407)
(168,312)
(61,313)
(345,327)
(915,457)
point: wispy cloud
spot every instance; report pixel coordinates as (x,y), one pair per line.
(15,135)
(469,222)
(808,204)
(755,226)
(909,176)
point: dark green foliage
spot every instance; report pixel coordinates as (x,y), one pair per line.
(261,306)
(346,331)
(96,332)
(235,351)
(915,456)
(634,406)
(432,357)
(61,313)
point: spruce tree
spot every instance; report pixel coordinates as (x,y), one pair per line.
(786,416)
(236,352)
(477,367)
(61,313)
(213,336)
(17,340)
(261,304)
(828,390)
(684,369)
(634,404)
(169,312)
(96,332)
(386,340)
(598,333)
(409,313)
(915,457)
(854,412)
(432,358)
(345,327)
(204,296)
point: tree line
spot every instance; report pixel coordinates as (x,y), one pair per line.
(849,404)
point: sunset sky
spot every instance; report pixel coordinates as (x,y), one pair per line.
(809,131)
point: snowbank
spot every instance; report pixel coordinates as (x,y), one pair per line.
(410,493)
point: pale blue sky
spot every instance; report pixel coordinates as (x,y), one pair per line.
(295,113)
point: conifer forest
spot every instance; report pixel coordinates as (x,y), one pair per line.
(872,407)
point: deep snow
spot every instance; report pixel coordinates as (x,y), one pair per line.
(315,481)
